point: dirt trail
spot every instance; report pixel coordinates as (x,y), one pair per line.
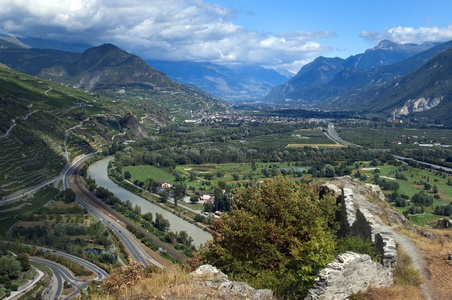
(416,255)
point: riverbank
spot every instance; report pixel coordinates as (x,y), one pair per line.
(186,214)
(178,223)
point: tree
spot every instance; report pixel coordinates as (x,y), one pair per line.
(329,171)
(127,175)
(277,236)
(164,196)
(9,268)
(192,176)
(161,223)
(194,198)
(435,189)
(24,261)
(67,195)
(422,198)
(137,209)
(148,216)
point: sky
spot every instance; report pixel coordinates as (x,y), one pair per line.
(282,35)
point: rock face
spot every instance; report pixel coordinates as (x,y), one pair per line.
(351,272)
(359,215)
(347,274)
(209,277)
(444,223)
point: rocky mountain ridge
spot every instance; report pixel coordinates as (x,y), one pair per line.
(326,79)
(426,92)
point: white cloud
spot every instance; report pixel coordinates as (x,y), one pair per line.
(405,35)
(159,29)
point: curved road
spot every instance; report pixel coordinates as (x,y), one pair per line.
(86,200)
(100,273)
(62,274)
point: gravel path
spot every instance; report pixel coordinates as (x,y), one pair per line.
(416,255)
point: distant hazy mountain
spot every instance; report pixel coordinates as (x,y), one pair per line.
(385,53)
(11,42)
(108,69)
(327,78)
(48,44)
(233,83)
(244,83)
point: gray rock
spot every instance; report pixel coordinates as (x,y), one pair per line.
(359,210)
(347,274)
(210,277)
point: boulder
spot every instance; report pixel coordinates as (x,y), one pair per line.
(209,277)
(347,274)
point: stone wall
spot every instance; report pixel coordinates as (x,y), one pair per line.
(347,274)
(358,214)
(351,272)
(210,278)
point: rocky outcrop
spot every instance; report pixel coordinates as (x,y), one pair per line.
(417,105)
(347,274)
(132,126)
(359,214)
(209,277)
(385,244)
(351,272)
(444,223)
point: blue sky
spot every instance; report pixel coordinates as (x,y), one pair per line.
(283,35)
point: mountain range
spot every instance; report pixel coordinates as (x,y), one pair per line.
(370,82)
(232,83)
(426,92)
(326,78)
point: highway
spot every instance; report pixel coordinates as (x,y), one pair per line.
(333,135)
(129,241)
(61,274)
(436,167)
(100,273)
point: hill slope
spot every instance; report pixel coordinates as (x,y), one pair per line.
(113,72)
(40,119)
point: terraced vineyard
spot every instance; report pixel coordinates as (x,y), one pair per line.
(34,118)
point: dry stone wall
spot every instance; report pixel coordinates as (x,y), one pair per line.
(351,272)
(358,214)
(210,278)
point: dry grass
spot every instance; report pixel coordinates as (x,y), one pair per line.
(405,274)
(407,282)
(315,145)
(436,252)
(392,292)
(170,283)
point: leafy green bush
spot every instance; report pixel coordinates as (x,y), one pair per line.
(277,236)
(357,245)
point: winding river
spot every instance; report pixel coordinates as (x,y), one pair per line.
(98,171)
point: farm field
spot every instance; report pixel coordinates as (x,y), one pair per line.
(207,174)
(301,137)
(144,172)
(413,185)
(389,137)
